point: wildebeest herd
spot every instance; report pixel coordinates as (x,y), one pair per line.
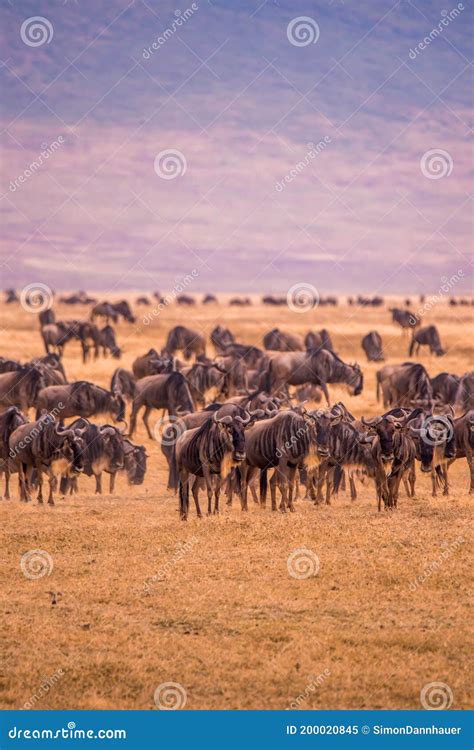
(240,420)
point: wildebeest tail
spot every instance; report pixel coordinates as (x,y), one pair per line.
(183,498)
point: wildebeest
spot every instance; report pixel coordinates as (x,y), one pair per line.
(405,384)
(209,299)
(11,296)
(186,340)
(465,392)
(233,378)
(445,387)
(206,452)
(464,436)
(201,377)
(404,318)
(112,311)
(319,367)
(436,445)
(169,392)
(281,341)
(44,446)
(143,301)
(45,317)
(185,299)
(152,363)
(56,335)
(427,336)
(318,340)
(80,399)
(9,365)
(221,337)
(123,382)
(108,342)
(103,450)
(372,346)
(251,355)
(21,387)
(135,464)
(9,421)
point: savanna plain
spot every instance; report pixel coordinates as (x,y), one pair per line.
(137,598)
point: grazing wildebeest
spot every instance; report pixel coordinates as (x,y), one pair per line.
(280,341)
(186,340)
(427,336)
(80,399)
(404,318)
(318,340)
(103,451)
(152,363)
(209,299)
(221,337)
(45,446)
(465,393)
(9,421)
(123,382)
(435,446)
(464,436)
(372,346)
(51,368)
(185,299)
(46,317)
(319,367)
(108,342)
(284,442)
(143,301)
(57,335)
(240,301)
(112,311)
(445,386)
(211,450)
(405,384)
(233,378)
(21,387)
(169,392)
(201,377)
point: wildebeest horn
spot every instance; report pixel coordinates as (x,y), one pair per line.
(371,422)
(224,420)
(243,420)
(416,430)
(107,430)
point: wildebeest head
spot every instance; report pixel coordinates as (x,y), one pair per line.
(356,380)
(387,426)
(436,439)
(233,432)
(72,448)
(117,409)
(135,462)
(321,432)
(113,446)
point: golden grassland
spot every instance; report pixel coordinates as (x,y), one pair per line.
(127,607)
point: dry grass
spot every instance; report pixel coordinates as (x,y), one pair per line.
(226,620)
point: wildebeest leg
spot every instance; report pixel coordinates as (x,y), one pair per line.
(329,483)
(434,480)
(217,492)
(183,494)
(22,485)
(412,480)
(7,481)
(52,485)
(133,418)
(98,484)
(145,421)
(353,487)
(291,483)
(470,463)
(40,483)
(273,484)
(208,482)
(281,475)
(324,389)
(112,482)
(253,489)
(195,491)
(444,471)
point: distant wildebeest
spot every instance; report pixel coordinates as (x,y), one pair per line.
(135,464)
(81,298)
(465,392)
(209,299)
(240,301)
(44,446)
(372,346)
(221,337)
(21,387)
(103,451)
(9,365)
(280,341)
(185,299)
(407,384)
(112,311)
(152,363)
(320,368)
(56,335)
(186,340)
(143,301)
(234,375)
(275,301)
(435,446)
(404,318)
(201,377)
(318,340)
(170,392)
(80,399)
(464,435)
(108,343)
(251,355)
(207,452)
(445,387)
(9,421)
(11,296)
(46,317)
(123,382)
(427,336)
